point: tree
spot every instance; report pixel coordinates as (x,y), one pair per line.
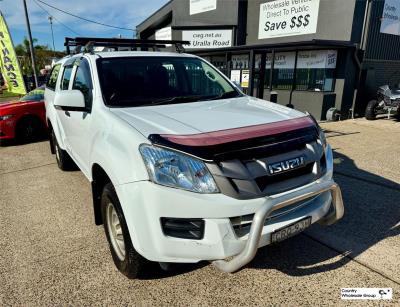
(44,56)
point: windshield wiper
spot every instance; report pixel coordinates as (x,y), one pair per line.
(230,94)
(176,99)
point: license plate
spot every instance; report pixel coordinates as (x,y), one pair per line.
(291,230)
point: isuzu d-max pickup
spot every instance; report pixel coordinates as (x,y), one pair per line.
(183,166)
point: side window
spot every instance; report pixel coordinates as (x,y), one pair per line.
(66,77)
(83,82)
(51,82)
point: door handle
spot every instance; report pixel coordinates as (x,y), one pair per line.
(67,113)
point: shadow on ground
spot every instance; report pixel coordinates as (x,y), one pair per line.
(16,142)
(372,214)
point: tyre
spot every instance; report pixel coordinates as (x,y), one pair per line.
(64,161)
(126,258)
(29,129)
(371,110)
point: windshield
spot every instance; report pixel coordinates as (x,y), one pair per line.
(139,81)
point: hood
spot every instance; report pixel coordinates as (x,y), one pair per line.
(4,104)
(7,106)
(205,116)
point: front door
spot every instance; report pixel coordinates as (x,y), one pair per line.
(79,122)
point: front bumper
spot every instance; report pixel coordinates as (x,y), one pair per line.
(7,129)
(145,203)
(252,244)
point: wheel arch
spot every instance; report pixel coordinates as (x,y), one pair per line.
(25,117)
(49,133)
(99,179)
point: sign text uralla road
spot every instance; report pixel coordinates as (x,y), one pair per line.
(208,38)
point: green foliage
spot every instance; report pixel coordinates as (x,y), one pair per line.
(44,56)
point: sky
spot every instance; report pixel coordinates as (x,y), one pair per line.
(121,13)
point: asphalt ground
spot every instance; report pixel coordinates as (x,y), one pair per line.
(51,253)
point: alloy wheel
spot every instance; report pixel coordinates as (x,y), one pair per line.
(115,231)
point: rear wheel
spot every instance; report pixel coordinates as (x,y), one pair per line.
(29,129)
(128,261)
(63,159)
(371,110)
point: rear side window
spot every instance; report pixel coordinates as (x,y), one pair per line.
(51,82)
(66,77)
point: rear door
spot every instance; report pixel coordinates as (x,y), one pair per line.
(64,116)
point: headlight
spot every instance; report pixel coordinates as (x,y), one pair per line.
(321,134)
(173,169)
(329,161)
(5,117)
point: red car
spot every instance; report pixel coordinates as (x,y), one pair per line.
(24,119)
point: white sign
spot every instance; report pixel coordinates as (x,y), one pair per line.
(200,6)
(202,39)
(235,76)
(281,18)
(245,78)
(317,59)
(366,293)
(283,60)
(391,17)
(164,34)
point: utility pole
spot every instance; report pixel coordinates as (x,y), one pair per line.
(28,26)
(52,33)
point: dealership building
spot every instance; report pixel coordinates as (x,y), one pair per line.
(312,55)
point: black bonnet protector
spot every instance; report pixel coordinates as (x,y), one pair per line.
(243,143)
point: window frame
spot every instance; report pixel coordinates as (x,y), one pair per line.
(65,67)
(76,65)
(100,80)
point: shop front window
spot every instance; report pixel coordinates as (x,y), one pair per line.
(283,73)
(315,70)
(240,72)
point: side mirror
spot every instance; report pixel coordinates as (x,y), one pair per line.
(72,100)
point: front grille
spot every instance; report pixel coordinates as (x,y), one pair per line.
(265,181)
(244,173)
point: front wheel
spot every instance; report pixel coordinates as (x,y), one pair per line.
(29,129)
(371,110)
(125,257)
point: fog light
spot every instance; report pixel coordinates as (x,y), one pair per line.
(183,228)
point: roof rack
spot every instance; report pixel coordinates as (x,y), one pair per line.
(88,43)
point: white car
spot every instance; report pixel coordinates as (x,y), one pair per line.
(184,167)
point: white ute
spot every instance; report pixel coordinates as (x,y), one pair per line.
(184,167)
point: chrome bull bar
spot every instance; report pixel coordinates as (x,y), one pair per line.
(250,249)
